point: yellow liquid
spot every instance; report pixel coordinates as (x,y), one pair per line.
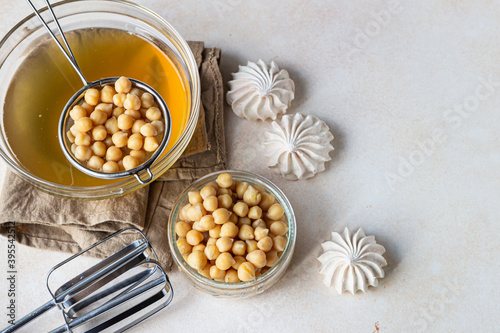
(45,82)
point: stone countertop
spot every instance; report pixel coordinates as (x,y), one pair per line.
(410,91)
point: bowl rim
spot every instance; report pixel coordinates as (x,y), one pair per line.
(116,188)
(191,273)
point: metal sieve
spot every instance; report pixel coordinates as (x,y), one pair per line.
(65,120)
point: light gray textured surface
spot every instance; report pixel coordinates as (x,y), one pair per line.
(424,180)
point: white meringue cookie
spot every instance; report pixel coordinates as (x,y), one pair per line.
(259,91)
(352,263)
(298,146)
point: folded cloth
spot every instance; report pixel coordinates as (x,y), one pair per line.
(48,222)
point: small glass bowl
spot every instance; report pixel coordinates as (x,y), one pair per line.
(239,289)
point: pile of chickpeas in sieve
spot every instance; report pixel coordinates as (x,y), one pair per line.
(115,128)
(231,231)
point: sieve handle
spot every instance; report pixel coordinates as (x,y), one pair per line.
(144,182)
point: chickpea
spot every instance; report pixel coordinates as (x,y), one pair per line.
(224,244)
(123,85)
(246,271)
(73,148)
(136,128)
(260,232)
(195,197)
(153,113)
(77,112)
(233,218)
(259,223)
(106,108)
(239,248)
(244,220)
(224,261)
(265,244)
(118,111)
(194,237)
(108,141)
(114,154)
(120,139)
(251,196)
(251,245)
(73,130)
(231,276)
(212,252)
(205,271)
(279,243)
(217,274)
(241,188)
(240,209)
(99,149)
(224,180)
(89,108)
(255,213)
(92,96)
(207,222)
(197,260)
(151,144)
(147,100)
(110,167)
(148,130)
(197,226)
(140,155)
(134,114)
(95,162)
(224,201)
(107,94)
(267,201)
(125,122)
(83,124)
(183,246)
(135,142)
(196,212)
(208,191)
(120,166)
(215,232)
(119,99)
(229,229)
(199,247)
(183,214)
(238,261)
(111,125)
(275,212)
(279,228)
(257,258)
(214,185)
(210,203)
(221,215)
(82,139)
(83,153)
(211,241)
(159,126)
(99,133)
(132,102)
(222,191)
(130,162)
(70,136)
(271,258)
(246,232)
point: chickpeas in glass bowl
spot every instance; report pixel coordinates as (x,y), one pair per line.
(232,233)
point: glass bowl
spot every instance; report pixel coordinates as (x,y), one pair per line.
(239,289)
(116,14)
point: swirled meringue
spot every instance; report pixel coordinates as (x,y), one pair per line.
(259,91)
(352,263)
(298,146)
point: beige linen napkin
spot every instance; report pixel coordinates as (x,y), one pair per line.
(48,222)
